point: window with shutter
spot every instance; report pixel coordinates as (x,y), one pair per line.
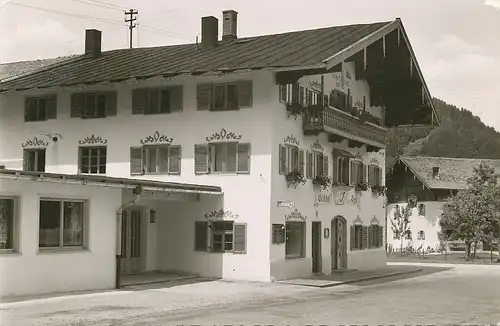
(290,159)
(174,159)
(93,105)
(204,96)
(40,108)
(381,236)
(222,236)
(92,160)
(282,159)
(139,100)
(353,238)
(225,96)
(34,160)
(309,165)
(158,159)
(243,158)
(371,175)
(365,237)
(77,105)
(240,239)
(371,237)
(176,98)
(200,236)
(136,160)
(111,104)
(201,159)
(325,165)
(356,237)
(229,157)
(245,89)
(301,161)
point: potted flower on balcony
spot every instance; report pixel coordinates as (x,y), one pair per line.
(361,187)
(323,181)
(295,109)
(379,190)
(294,178)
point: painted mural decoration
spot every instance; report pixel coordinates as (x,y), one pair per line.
(295,215)
(223,134)
(357,221)
(35,142)
(374,221)
(156,138)
(374,161)
(290,139)
(324,197)
(93,140)
(341,81)
(220,214)
(317,146)
(340,197)
(316,85)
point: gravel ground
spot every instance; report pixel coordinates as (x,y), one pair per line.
(461,294)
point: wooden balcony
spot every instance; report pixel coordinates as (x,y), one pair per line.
(339,123)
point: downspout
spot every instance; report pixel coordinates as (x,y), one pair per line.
(119,211)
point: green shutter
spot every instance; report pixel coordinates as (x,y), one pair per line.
(365,237)
(301,161)
(174,160)
(352,173)
(282,159)
(176,99)
(200,236)
(325,165)
(245,93)
(353,237)
(203,96)
(371,175)
(380,176)
(201,159)
(139,100)
(309,165)
(244,158)
(381,236)
(52,107)
(111,104)
(371,236)
(240,239)
(136,160)
(77,106)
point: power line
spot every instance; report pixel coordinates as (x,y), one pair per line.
(131,17)
(108,4)
(97,5)
(161,31)
(115,22)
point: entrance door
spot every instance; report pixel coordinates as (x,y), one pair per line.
(316,247)
(132,260)
(339,243)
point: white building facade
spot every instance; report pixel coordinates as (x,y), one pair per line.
(233,131)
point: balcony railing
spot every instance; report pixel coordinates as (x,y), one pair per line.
(331,120)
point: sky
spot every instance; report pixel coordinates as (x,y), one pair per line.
(457,42)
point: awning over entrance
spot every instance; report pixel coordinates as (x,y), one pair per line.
(103,181)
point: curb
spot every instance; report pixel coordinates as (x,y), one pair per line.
(416,270)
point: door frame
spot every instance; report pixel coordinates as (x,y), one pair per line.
(126,264)
(338,259)
(316,237)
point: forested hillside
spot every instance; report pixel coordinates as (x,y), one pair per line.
(460,134)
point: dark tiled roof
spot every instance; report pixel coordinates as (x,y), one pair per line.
(453,172)
(15,69)
(294,49)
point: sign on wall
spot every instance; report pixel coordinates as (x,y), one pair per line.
(289,204)
(324,197)
(340,197)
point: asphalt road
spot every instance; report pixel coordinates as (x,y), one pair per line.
(465,295)
(437,296)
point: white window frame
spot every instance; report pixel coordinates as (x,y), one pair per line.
(340,170)
(212,155)
(356,182)
(80,159)
(292,156)
(37,154)
(85,224)
(226,87)
(303,226)
(317,170)
(224,234)
(94,97)
(15,225)
(38,100)
(146,159)
(159,94)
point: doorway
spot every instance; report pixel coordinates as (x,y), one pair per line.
(316,247)
(132,261)
(339,243)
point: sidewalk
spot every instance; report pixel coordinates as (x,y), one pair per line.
(339,278)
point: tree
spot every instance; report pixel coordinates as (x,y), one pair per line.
(401,223)
(473,213)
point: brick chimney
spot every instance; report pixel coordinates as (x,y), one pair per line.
(209,32)
(93,43)
(229,25)
(435,171)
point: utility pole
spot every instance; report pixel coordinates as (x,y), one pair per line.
(130,17)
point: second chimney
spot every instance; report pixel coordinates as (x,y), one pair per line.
(93,43)
(209,32)
(229,25)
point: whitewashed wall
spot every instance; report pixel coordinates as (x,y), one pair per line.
(30,271)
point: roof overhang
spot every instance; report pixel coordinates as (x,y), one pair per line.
(401,159)
(112,182)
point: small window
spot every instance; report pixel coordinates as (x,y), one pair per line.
(278,233)
(421,235)
(374,175)
(40,108)
(376,236)
(157,100)
(8,224)
(92,160)
(357,237)
(421,209)
(61,224)
(317,164)
(93,105)
(341,170)
(222,158)
(225,236)
(156,159)
(291,159)
(295,239)
(408,235)
(358,174)
(224,96)
(34,160)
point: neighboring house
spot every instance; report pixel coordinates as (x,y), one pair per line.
(432,180)
(213,139)
(15,69)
